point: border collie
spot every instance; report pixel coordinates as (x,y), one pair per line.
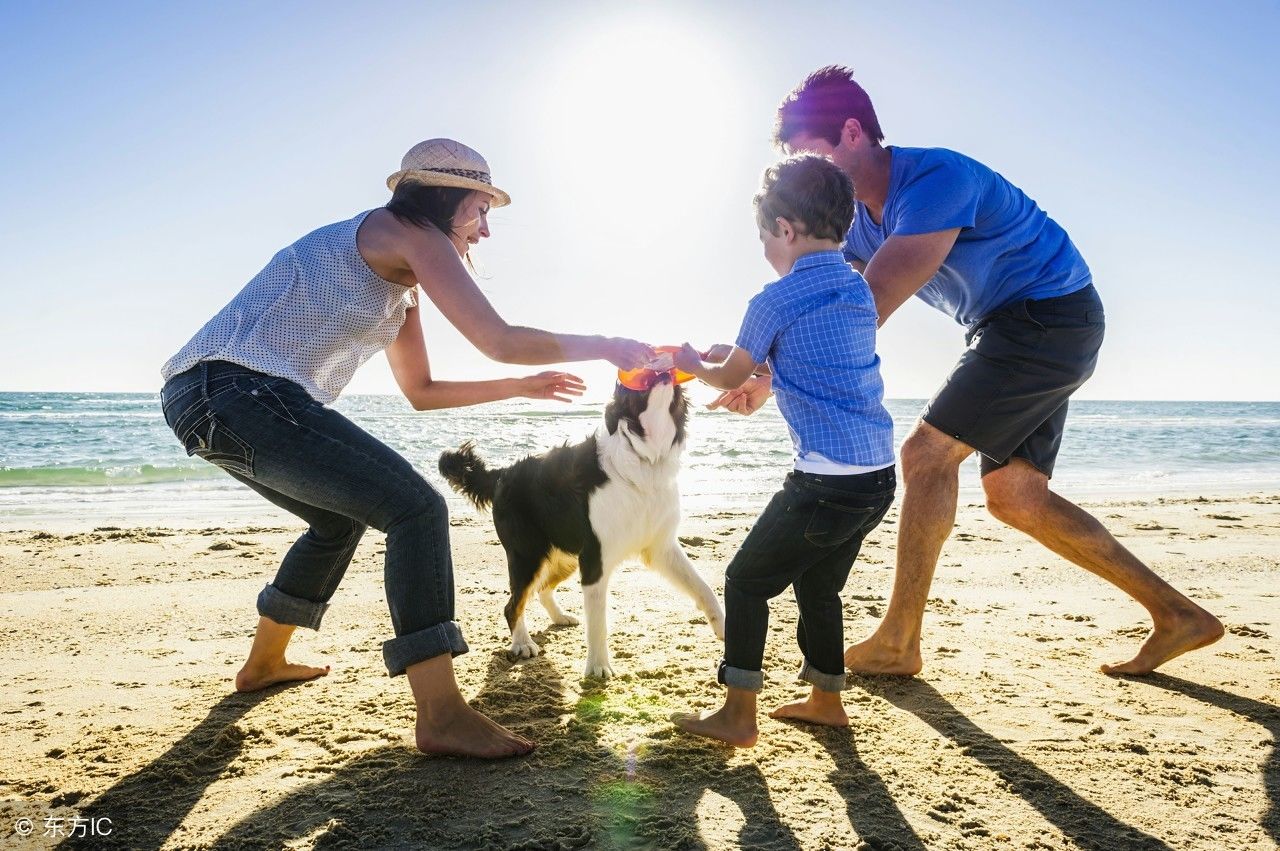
(591,506)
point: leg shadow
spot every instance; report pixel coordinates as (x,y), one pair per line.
(146,807)
(872,811)
(1264,715)
(1083,822)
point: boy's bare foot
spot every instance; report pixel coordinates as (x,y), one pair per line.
(873,656)
(819,708)
(253,677)
(1191,630)
(462,731)
(717,725)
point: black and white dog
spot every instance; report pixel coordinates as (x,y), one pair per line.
(591,506)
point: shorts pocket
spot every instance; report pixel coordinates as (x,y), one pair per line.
(210,439)
(832,523)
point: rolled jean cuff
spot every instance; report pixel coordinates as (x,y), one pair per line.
(405,650)
(288,610)
(739,677)
(819,680)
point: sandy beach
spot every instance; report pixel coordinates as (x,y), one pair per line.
(119,647)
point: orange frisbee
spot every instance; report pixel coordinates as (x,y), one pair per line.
(645,377)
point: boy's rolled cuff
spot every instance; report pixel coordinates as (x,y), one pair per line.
(289,610)
(739,677)
(820,680)
(405,650)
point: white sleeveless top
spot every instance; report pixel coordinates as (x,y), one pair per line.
(314,315)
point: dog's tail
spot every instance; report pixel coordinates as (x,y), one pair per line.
(467,473)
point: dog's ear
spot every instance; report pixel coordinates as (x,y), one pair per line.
(626,405)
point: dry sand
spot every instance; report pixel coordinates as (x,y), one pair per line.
(119,647)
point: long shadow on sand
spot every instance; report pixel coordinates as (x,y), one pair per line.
(1086,824)
(1264,715)
(146,807)
(573,792)
(576,791)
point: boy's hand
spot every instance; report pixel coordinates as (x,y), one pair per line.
(719,353)
(689,360)
(747,399)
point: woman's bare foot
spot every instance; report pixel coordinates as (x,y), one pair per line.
(1188,631)
(821,707)
(462,731)
(874,656)
(718,725)
(253,677)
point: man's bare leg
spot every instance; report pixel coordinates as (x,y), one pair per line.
(266,664)
(930,471)
(447,724)
(1018,494)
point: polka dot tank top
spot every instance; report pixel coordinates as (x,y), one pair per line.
(314,315)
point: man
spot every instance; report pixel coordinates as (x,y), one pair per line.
(936,224)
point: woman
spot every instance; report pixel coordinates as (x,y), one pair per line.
(248,393)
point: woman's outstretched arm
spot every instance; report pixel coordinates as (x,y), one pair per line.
(407,356)
(437,267)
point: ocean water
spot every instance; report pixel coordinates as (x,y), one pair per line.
(77,459)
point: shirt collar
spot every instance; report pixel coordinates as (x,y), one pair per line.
(817,258)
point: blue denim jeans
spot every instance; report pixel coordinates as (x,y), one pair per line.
(807,538)
(268,433)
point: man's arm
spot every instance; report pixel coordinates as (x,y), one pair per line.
(904,264)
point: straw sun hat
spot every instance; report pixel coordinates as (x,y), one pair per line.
(444,162)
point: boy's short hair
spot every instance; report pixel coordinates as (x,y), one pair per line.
(809,191)
(820,106)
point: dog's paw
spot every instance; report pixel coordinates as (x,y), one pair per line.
(716,619)
(564,619)
(523,650)
(599,670)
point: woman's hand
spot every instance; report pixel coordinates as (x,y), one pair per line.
(627,354)
(747,399)
(560,386)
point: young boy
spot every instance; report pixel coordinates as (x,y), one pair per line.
(815,328)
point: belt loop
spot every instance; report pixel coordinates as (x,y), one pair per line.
(204,380)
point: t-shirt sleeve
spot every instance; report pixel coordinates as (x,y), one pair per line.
(760,328)
(941,194)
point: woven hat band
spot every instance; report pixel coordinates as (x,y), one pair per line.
(482,176)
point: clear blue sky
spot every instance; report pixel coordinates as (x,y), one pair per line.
(153,156)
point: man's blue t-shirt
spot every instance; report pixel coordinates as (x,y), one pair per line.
(1008,249)
(816,328)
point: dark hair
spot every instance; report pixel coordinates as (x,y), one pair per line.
(820,106)
(415,203)
(809,191)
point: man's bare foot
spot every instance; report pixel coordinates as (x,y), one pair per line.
(875,657)
(255,677)
(1194,629)
(462,731)
(716,725)
(819,708)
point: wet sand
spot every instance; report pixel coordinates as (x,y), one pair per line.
(119,646)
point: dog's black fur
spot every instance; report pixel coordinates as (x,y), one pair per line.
(541,502)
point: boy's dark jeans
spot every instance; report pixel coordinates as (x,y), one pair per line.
(808,538)
(268,433)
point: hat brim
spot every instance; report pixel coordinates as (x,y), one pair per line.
(435,178)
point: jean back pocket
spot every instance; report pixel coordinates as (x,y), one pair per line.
(833,523)
(209,438)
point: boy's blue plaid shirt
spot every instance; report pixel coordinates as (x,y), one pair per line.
(816,328)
